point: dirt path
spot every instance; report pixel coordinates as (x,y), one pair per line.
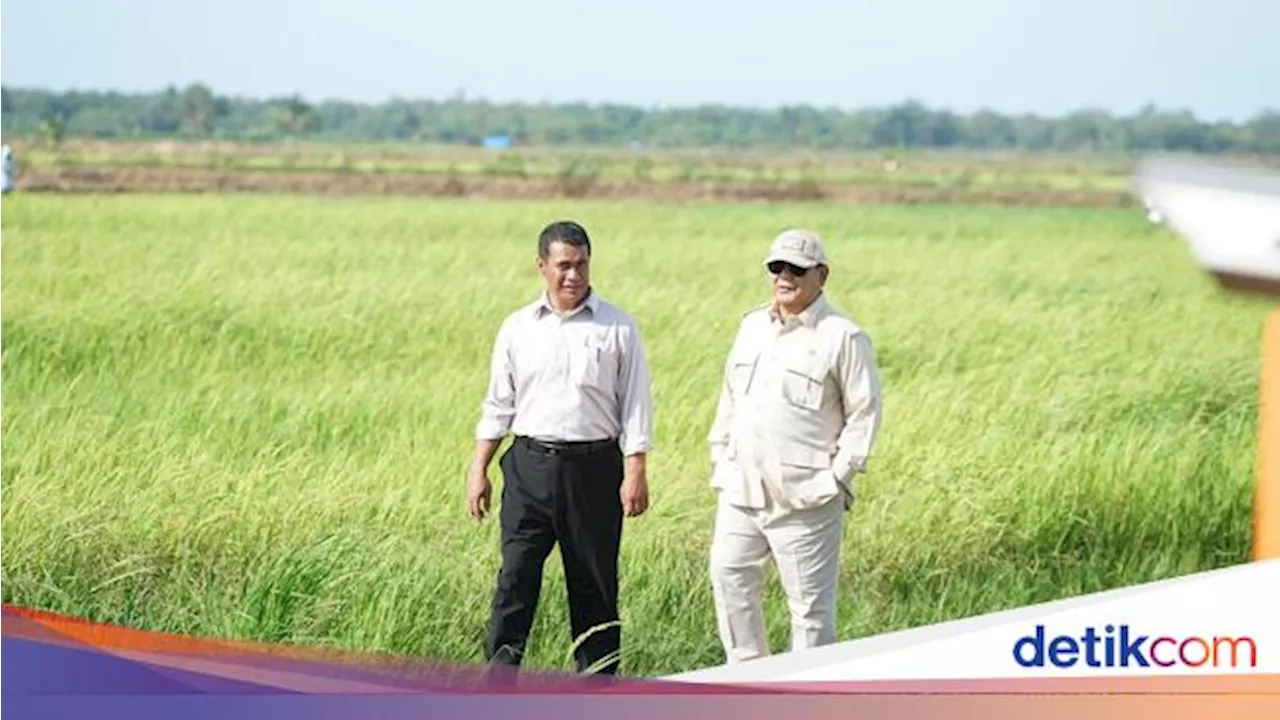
(195,180)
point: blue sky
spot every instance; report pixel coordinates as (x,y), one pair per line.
(1217,58)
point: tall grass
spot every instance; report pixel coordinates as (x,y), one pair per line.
(251,417)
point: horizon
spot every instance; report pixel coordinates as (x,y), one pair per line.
(656,108)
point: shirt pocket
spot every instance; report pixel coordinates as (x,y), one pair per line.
(802,459)
(806,476)
(804,382)
(593,361)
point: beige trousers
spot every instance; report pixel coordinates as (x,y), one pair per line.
(805,545)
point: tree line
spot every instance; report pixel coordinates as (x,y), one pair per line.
(197,112)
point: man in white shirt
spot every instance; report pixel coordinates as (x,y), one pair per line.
(569,380)
(798,413)
(8,169)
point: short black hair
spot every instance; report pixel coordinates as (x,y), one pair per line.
(565,231)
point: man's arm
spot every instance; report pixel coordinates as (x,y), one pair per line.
(635,398)
(496,413)
(484,452)
(722,424)
(860,386)
(498,408)
(635,485)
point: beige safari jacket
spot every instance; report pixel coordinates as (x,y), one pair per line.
(799,409)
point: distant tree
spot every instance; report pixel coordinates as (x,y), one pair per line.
(162,113)
(901,125)
(198,110)
(989,130)
(1264,132)
(54,112)
(294,116)
(400,120)
(53,129)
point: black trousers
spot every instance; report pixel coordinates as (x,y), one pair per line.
(570,497)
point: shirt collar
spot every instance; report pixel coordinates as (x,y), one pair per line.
(590,303)
(808,317)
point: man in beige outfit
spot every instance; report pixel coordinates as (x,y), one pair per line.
(797,416)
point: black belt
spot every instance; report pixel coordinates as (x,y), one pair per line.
(566,448)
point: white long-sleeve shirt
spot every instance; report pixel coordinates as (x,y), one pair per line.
(582,376)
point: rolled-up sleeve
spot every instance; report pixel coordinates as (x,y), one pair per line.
(498,408)
(861,385)
(635,396)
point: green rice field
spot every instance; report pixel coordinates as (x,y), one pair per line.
(251,417)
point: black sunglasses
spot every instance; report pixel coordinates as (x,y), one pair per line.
(777,266)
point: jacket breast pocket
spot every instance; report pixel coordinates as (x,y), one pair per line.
(804,383)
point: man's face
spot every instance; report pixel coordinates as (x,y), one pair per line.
(795,287)
(567,272)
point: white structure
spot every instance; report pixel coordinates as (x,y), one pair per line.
(1228,214)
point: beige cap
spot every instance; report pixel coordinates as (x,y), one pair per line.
(802,248)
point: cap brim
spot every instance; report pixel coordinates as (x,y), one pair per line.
(793,258)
